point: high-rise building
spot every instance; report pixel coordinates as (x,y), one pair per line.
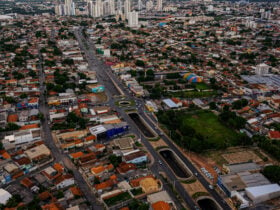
(119,7)
(106,8)
(262,69)
(266,15)
(59,9)
(140,5)
(149,5)
(159,5)
(133,19)
(98,9)
(127,8)
(90,7)
(69,7)
(112,7)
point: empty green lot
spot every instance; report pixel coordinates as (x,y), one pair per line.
(208,125)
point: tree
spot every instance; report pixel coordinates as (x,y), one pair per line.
(23,95)
(140,63)
(68,61)
(32,73)
(173,76)
(41,116)
(96,180)
(12,127)
(57,51)
(9,99)
(38,34)
(133,73)
(272,173)
(239,104)
(14,201)
(115,160)
(99,26)
(212,105)
(212,81)
(138,205)
(82,75)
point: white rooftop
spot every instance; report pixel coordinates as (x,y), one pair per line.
(97,129)
(263,190)
(4,196)
(170,103)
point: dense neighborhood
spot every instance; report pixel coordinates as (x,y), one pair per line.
(172,106)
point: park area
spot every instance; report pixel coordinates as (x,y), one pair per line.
(209,126)
(192,94)
(198,130)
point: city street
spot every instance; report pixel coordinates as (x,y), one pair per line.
(56,153)
(100,69)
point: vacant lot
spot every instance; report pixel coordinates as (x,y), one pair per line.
(240,157)
(192,94)
(202,86)
(208,125)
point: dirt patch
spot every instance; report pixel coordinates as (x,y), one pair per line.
(203,162)
(241,157)
(159,143)
(101,97)
(194,187)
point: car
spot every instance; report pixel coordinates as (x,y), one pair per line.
(160,162)
(211,187)
(196,174)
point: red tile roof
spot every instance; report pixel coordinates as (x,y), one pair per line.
(27,182)
(274,134)
(12,118)
(161,205)
(136,182)
(30,126)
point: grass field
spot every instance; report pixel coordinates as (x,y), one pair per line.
(208,125)
(202,86)
(192,94)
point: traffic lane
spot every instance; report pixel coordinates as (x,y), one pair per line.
(179,188)
(213,193)
(59,157)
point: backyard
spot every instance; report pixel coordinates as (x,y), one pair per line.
(117,199)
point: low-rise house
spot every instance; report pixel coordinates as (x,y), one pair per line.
(136,157)
(23,136)
(64,181)
(87,159)
(50,173)
(38,153)
(99,170)
(125,143)
(274,135)
(124,168)
(107,185)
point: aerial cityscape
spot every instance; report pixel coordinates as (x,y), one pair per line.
(139,105)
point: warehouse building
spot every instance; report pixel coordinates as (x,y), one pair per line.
(263,193)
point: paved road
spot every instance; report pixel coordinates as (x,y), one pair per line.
(156,167)
(100,68)
(56,153)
